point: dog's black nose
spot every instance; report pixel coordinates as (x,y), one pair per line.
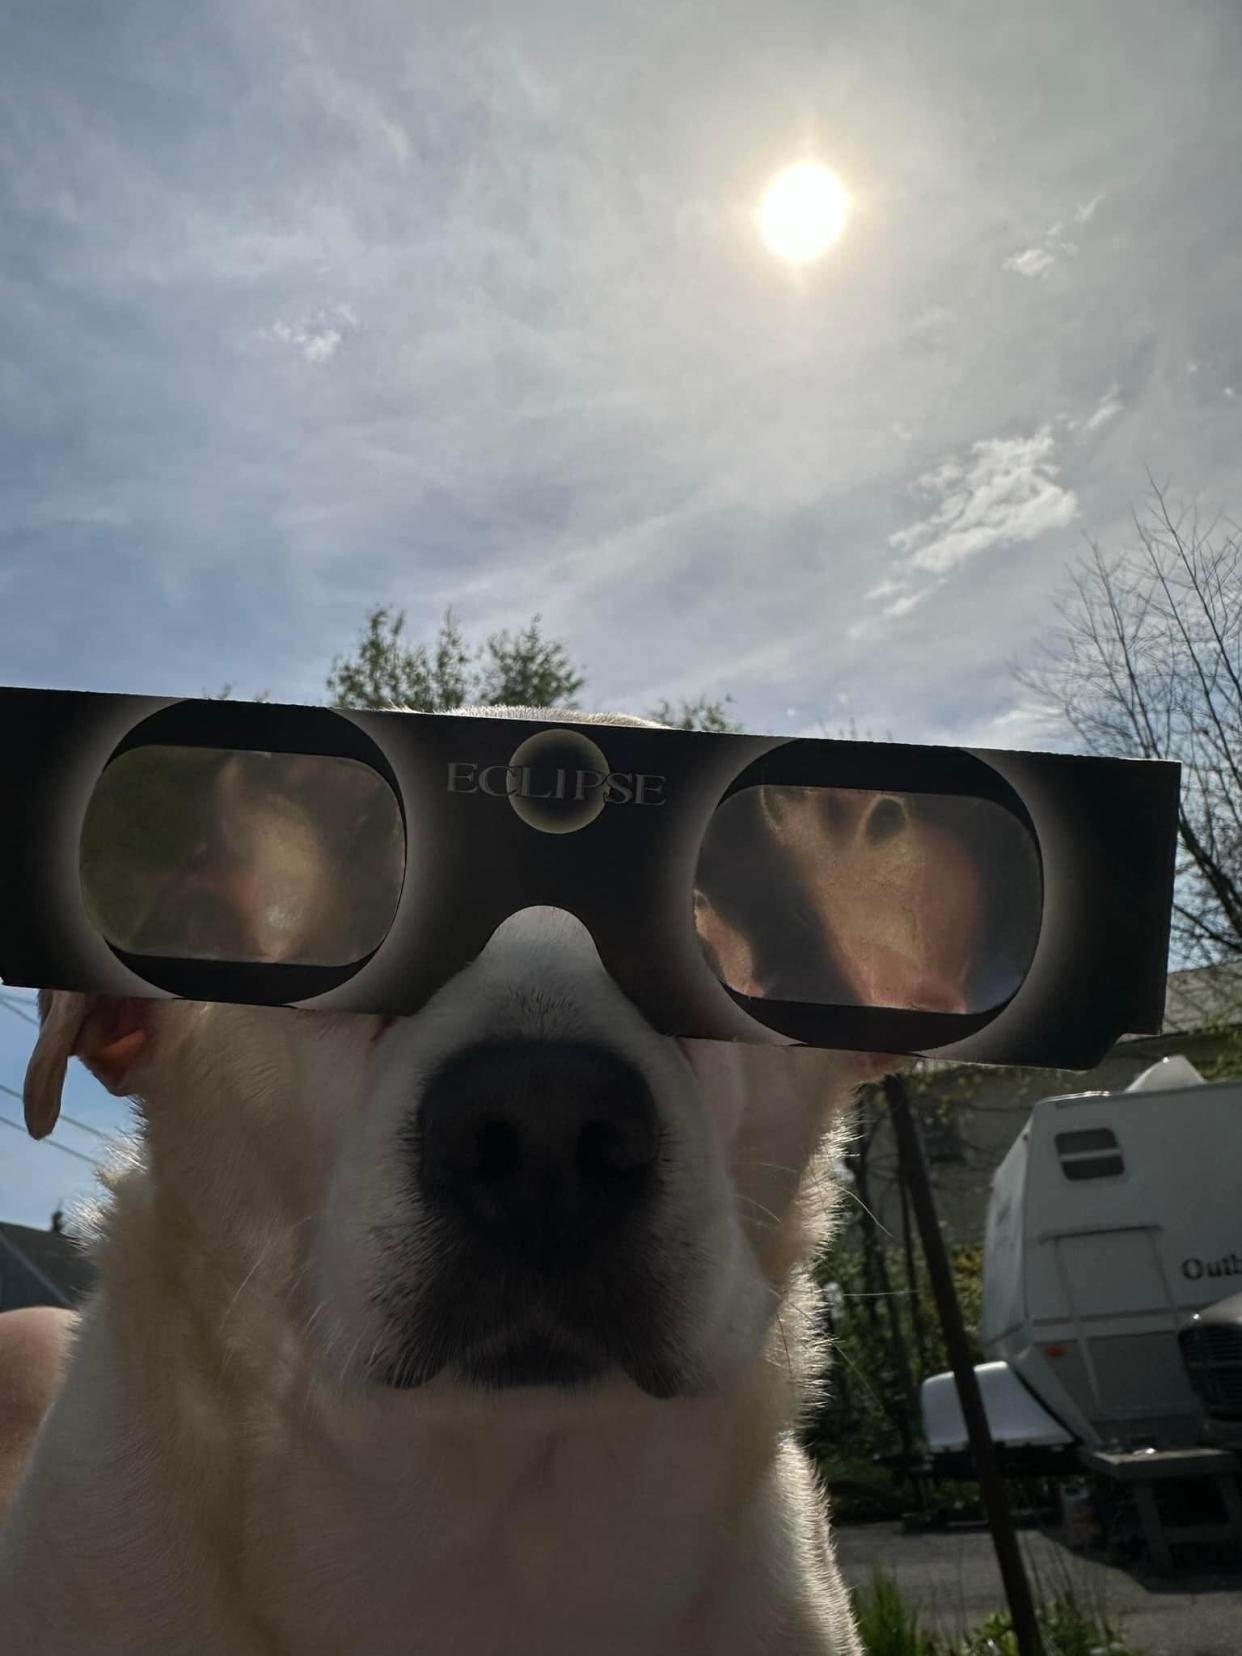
(545,1148)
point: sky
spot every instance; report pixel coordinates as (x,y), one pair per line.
(313,306)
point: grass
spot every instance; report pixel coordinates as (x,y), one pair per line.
(887,1623)
(1070,1626)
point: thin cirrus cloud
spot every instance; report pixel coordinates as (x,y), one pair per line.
(1053,246)
(1032,261)
(1110,406)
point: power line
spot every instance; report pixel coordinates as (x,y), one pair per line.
(73,1121)
(18,1010)
(85,1127)
(51,1143)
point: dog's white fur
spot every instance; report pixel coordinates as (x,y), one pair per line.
(219,1476)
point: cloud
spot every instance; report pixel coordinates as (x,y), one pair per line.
(1024,725)
(1035,261)
(1110,406)
(1038,259)
(1006,492)
(331,306)
(904,604)
(316,337)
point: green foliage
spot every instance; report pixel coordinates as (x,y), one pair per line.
(509,669)
(1226,1063)
(887,1623)
(858,1417)
(700,714)
(225,693)
(521,669)
(859,1491)
(1069,1625)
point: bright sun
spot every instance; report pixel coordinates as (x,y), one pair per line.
(803,211)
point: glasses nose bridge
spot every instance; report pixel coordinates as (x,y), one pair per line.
(546,927)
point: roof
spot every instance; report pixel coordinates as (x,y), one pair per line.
(54,1259)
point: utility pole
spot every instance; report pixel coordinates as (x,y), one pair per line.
(991,1484)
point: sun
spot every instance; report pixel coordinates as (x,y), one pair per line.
(803,211)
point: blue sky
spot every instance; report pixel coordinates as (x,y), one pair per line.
(314,305)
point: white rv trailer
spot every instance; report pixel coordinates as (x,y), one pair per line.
(1113,1218)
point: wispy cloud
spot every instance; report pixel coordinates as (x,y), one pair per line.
(1005,492)
(1032,261)
(1052,246)
(1109,407)
(1087,211)
(904,603)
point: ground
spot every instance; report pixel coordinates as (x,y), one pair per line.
(953,1579)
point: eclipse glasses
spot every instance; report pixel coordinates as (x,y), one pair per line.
(968,904)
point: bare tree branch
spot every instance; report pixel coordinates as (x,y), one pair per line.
(1146,661)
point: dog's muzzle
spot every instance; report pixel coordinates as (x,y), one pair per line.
(537,1168)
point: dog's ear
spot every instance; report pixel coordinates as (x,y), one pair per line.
(106,1033)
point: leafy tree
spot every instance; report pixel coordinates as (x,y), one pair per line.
(510,669)
(700,714)
(384,671)
(522,669)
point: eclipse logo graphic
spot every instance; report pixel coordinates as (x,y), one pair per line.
(557,781)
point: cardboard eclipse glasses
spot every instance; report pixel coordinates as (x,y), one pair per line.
(970,904)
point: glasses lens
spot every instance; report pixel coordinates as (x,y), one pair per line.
(848,897)
(266,858)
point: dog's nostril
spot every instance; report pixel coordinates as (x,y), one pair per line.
(609,1148)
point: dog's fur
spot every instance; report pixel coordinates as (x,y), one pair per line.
(223,1472)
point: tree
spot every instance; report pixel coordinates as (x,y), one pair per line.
(1147,662)
(518,669)
(700,714)
(509,669)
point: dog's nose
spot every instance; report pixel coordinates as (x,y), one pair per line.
(545,1148)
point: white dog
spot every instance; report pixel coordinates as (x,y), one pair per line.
(477,1331)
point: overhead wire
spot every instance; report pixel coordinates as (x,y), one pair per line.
(64,1149)
(19,1011)
(16,1008)
(83,1126)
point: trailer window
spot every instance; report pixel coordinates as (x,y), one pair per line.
(1092,1153)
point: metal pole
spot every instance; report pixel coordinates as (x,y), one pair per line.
(991,1484)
